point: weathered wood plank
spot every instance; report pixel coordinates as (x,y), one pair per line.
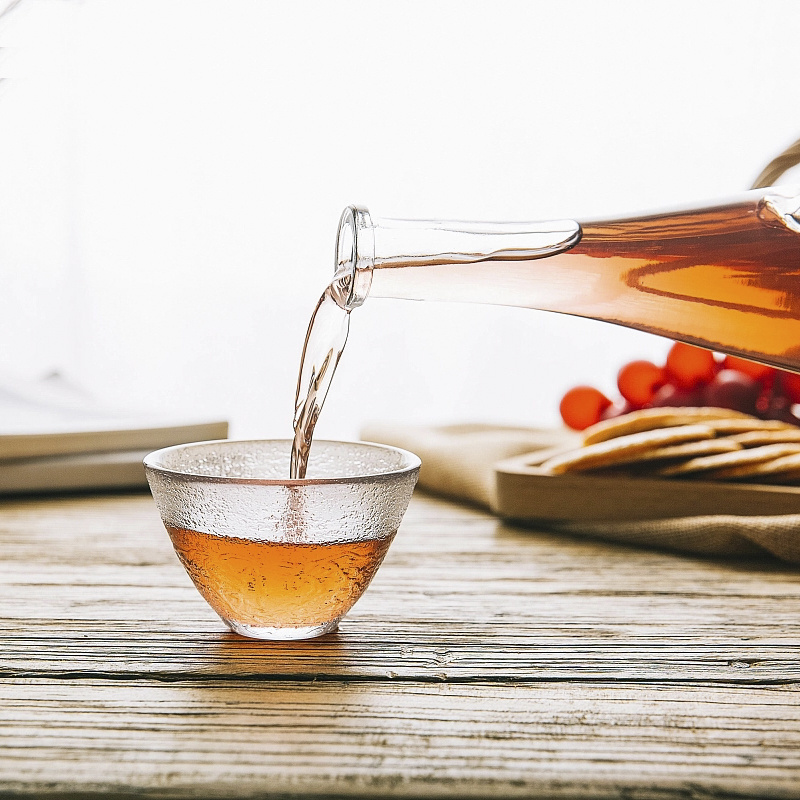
(226,739)
(484,661)
(370,649)
(92,585)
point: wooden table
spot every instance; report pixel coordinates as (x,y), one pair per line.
(485,660)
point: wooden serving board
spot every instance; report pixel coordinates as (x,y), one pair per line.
(527,493)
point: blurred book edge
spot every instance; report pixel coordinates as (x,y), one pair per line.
(120,470)
(54,438)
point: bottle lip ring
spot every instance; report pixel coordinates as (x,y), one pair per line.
(355,256)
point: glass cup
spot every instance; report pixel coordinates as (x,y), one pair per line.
(279,558)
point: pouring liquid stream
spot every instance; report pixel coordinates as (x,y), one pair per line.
(325,341)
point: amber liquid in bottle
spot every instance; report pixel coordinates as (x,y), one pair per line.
(277,584)
(725,277)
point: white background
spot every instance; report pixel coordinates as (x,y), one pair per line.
(172,173)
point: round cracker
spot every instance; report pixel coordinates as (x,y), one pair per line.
(726,461)
(730,425)
(647,419)
(622,449)
(781,478)
(703,447)
(645,460)
(788,464)
(756,438)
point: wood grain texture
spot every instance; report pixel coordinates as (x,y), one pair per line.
(485,660)
(225,739)
(526,492)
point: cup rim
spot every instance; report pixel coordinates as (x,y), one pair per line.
(151,463)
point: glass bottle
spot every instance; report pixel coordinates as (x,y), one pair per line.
(725,276)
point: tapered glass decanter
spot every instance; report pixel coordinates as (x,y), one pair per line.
(724,275)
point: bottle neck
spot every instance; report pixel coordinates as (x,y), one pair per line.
(364,244)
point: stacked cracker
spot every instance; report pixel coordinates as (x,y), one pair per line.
(702,443)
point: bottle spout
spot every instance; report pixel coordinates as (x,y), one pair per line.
(355,257)
(364,245)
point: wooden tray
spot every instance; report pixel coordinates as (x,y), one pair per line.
(526,493)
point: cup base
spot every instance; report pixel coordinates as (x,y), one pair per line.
(282,634)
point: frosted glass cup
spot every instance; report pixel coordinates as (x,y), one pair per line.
(279,558)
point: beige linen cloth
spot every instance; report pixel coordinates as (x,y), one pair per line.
(458,463)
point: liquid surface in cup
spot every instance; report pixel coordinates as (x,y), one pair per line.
(277,584)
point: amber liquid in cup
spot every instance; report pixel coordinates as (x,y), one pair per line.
(276,558)
(278,584)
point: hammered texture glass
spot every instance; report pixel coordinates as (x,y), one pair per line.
(254,541)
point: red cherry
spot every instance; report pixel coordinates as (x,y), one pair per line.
(788,383)
(733,389)
(617,409)
(582,406)
(780,408)
(638,381)
(764,403)
(759,372)
(689,367)
(669,395)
